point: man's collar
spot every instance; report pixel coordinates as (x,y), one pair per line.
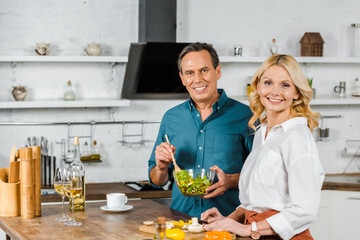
(217,105)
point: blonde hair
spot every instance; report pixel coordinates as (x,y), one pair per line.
(300,106)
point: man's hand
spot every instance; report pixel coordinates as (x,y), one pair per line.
(163,155)
(159,173)
(225,182)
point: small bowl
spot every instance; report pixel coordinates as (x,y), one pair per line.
(193,182)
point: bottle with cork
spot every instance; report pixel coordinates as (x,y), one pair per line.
(273,47)
(160,228)
(69,95)
(79,202)
(95,152)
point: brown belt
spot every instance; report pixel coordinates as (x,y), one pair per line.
(251,216)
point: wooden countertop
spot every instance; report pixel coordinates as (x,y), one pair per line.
(96,224)
(342,182)
(98,191)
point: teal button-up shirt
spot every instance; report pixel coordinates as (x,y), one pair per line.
(223,139)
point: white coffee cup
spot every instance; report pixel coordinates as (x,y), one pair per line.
(116,200)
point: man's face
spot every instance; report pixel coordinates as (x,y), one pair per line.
(199,76)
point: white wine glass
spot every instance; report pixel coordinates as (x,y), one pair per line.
(59,182)
(73,190)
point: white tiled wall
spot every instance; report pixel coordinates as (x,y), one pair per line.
(69,26)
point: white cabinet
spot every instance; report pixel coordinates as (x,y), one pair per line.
(339,216)
(345,215)
(320,229)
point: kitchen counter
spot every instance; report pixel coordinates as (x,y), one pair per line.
(98,191)
(342,182)
(96,224)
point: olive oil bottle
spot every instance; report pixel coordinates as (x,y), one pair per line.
(79,202)
(95,153)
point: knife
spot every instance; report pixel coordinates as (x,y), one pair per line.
(54,167)
(43,156)
(34,141)
(47,162)
(204,221)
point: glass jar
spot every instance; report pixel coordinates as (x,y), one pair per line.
(355,27)
(160,228)
(69,95)
(355,92)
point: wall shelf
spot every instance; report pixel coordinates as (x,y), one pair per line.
(238,59)
(319,100)
(65,104)
(95,59)
(124,59)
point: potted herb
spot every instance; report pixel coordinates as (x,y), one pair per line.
(310,81)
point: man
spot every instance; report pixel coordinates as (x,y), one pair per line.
(209,130)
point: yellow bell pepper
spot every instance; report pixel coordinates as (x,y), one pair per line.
(175,234)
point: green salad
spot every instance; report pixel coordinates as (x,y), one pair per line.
(187,184)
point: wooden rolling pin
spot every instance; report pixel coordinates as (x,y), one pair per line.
(27,183)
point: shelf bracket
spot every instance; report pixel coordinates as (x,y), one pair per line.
(113,67)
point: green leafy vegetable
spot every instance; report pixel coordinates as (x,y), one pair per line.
(187,184)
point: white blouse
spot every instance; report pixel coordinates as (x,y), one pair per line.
(283,172)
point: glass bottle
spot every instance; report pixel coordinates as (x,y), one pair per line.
(85,153)
(69,95)
(160,228)
(249,89)
(79,202)
(355,27)
(95,153)
(355,92)
(273,47)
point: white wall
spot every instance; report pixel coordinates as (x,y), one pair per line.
(69,25)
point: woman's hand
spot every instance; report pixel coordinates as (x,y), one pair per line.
(230,225)
(212,215)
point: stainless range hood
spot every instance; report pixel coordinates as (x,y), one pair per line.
(157,20)
(151,71)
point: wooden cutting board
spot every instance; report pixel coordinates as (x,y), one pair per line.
(188,236)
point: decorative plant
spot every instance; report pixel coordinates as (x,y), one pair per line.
(310,81)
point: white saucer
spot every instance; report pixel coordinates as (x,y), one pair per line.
(125,208)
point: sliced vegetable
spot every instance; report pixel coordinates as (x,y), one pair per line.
(191,186)
(175,234)
(217,235)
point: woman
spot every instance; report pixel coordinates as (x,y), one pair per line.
(280,183)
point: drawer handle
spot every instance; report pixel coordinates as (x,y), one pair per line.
(354,198)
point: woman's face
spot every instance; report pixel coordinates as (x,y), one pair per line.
(277,91)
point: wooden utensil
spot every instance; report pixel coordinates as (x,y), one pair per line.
(14,168)
(177,168)
(12,155)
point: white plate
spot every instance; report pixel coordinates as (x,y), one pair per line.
(126,208)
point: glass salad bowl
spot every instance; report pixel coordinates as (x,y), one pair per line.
(193,182)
